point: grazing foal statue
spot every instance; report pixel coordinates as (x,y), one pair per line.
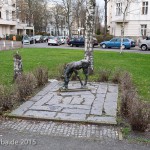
(74,67)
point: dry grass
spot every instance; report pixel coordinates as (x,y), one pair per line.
(116,77)
(25,85)
(104,75)
(7,98)
(137,112)
(41,75)
(139,115)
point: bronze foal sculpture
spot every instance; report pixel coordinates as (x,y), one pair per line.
(74,67)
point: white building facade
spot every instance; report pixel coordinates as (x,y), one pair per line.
(137,20)
(9,23)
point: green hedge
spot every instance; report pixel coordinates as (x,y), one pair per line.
(101,38)
(18,37)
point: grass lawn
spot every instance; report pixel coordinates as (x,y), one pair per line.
(137,64)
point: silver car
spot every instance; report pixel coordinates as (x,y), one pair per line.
(54,41)
(144,44)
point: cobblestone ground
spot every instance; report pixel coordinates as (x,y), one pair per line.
(62,129)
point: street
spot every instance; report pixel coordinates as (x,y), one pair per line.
(66,46)
(13,140)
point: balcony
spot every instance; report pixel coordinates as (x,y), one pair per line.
(23,26)
(7,22)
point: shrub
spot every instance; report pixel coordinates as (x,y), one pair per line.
(127,98)
(41,75)
(7,98)
(128,93)
(126,81)
(116,77)
(138,112)
(101,38)
(140,116)
(61,68)
(18,37)
(104,75)
(25,85)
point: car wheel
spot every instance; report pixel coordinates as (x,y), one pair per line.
(104,46)
(123,47)
(143,47)
(71,45)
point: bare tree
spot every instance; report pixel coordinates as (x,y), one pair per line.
(106,2)
(33,12)
(99,16)
(68,10)
(125,10)
(90,12)
(58,12)
(78,11)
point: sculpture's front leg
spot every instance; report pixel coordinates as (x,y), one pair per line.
(86,79)
(76,72)
(85,71)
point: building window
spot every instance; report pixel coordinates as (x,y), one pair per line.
(143,29)
(7,15)
(6,1)
(144,8)
(0,15)
(118,9)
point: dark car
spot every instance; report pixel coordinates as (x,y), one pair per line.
(32,40)
(116,42)
(38,38)
(95,42)
(76,42)
(81,41)
(45,38)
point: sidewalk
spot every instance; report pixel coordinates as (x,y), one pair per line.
(9,45)
(97,105)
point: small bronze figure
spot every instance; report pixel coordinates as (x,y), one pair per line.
(74,67)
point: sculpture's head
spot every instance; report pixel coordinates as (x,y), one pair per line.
(85,63)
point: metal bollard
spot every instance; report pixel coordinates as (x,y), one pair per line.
(4,44)
(12,44)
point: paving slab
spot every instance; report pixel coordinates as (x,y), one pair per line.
(96,105)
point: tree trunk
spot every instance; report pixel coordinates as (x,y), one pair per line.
(90,12)
(105,31)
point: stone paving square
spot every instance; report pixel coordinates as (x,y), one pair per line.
(99,105)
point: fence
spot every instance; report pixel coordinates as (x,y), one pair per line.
(10,45)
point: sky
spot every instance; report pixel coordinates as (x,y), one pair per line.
(100,2)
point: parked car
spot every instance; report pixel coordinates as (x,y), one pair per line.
(38,39)
(81,42)
(116,42)
(32,39)
(63,39)
(45,38)
(25,39)
(54,41)
(95,42)
(76,42)
(144,44)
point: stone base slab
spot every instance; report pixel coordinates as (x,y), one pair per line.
(97,105)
